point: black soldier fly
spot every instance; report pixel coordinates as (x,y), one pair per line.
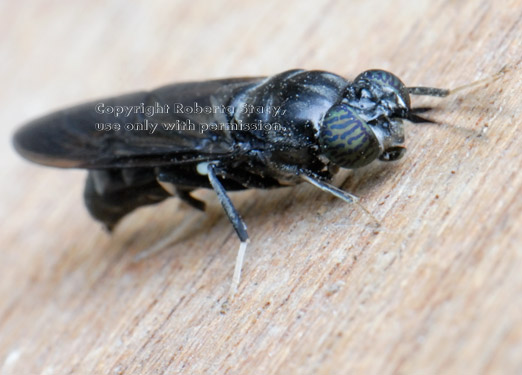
(228,134)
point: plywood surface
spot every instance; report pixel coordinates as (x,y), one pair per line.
(436,290)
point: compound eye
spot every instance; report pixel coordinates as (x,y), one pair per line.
(386,79)
(346,139)
(393,153)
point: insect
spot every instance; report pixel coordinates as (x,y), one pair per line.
(228,134)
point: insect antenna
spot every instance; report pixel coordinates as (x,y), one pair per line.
(428,91)
(481,82)
(433,91)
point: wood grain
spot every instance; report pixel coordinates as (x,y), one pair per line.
(436,290)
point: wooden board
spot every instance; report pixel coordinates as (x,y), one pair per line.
(436,290)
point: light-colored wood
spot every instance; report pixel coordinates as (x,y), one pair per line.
(436,290)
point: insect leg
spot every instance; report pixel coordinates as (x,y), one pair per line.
(347,197)
(235,219)
(185,196)
(336,192)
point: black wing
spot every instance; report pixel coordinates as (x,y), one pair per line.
(69,138)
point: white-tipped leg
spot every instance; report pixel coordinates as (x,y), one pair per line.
(237,223)
(240,258)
